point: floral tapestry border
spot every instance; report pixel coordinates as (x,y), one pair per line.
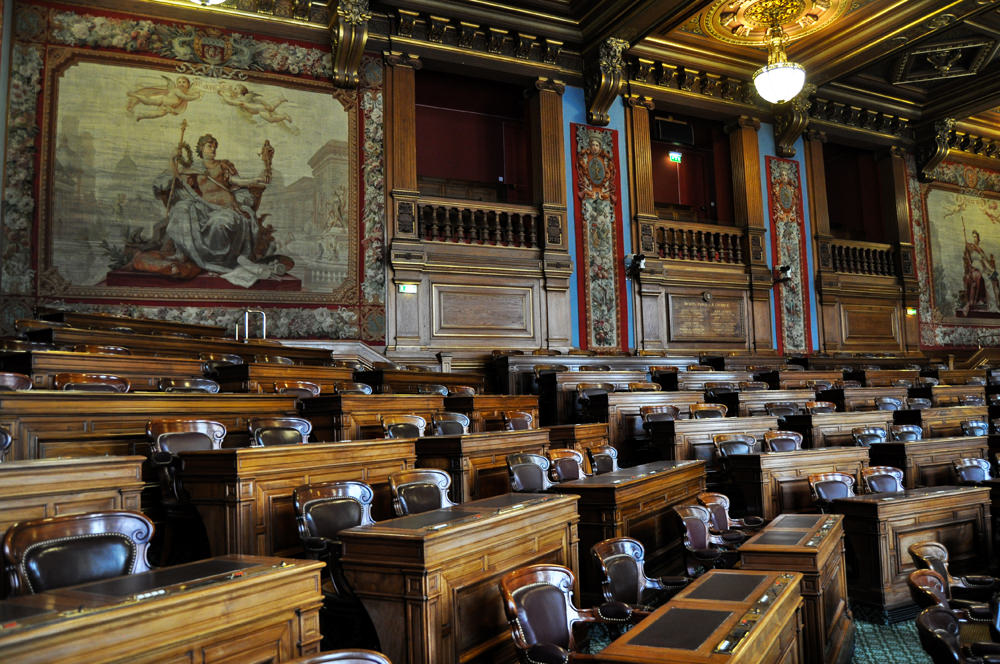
(788,244)
(600,252)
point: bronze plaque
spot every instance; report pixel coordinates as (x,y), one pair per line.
(699,318)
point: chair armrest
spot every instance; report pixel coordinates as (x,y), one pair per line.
(972,610)
(614,611)
(161,459)
(981,648)
(548,653)
(671,582)
(979,580)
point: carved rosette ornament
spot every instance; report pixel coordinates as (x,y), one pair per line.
(605,81)
(791,120)
(933,150)
(349,34)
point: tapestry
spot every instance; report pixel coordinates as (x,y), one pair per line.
(184,172)
(788,249)
(600,253)
(956,239)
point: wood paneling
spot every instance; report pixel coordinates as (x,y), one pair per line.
(928,462)
(485,410)
(700,320)
(357,416)
(867,326)
(467,310)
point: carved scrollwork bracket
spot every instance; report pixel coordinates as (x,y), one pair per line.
(933,149)
(638,101)
(550,85)
(605,80)
(348,35)
(790,120)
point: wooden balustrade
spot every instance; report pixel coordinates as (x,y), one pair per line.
(467,222)
(708,243)
(863,258)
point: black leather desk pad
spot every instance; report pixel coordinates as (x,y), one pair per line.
(124,586)
(509,500)
(428,519)
(725,587)
(684,629)
(781,537)
(797,520)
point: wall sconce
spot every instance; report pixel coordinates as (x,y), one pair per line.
(407,287)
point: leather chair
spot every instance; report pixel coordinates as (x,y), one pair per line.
(590,398)
(972,587)
(702,549)
(344,657)
(721,387)
(971,400)
(352,388)
(211,362)
(188,385)
(882,479)
(817,407)
(717,505)
(827,487)
(928,588)
(706,411)
(644,386)
(403,426)
(425,388)
(850,383)
(925,381)
(971,471)
(517,420)
(888,403)
(449,424)
(976,380)
(543,621)
(565,465)
(603,459)
(939,630)
(975,428)
(529,473)
(621,562)
(268,431)
(173,435)
(729,444)
(346,364)
(461,391)
(539,371)
(698,367)
(300,389)
(819,385)
(782,408)
(919,403)
(664,413)
(6,441)
(782,441)
(902,382)
(273,359)
(905,432)
(90,382)
(753,386)
(60,551)
(868,436)
(419,490)
(14,382)
(96,349)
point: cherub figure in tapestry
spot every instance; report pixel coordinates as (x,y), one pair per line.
(253,104)
(158,101)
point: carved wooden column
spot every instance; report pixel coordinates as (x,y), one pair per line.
(896,214)
(648,300)
(550,195)
(348,34)
(404,327)
(748,211)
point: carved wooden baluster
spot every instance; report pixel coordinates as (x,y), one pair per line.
(436,223)
(869,262)
(737,246)
(659,241)
(688,245)
(449,224)
(491,227)
(852,265)
(466,226)
(883,257)
(699,239)
(423,221)
(732,242)
(477,227)
(675,244)
(521,234)
(717,247)
(533,222)
(838,258)
(506,232)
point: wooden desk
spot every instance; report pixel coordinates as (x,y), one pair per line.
(579,437)
(429,581)
(484,410)
(882,377)
(778,482)
(695,380)
(880,527)
(389,381)
(50,423)
(813,545)
(942,396)
(96,321)
(623,408)
(939,422)
(220,610)
(955,376)
(834,429)
(260,377)
(477,462)
(244,495)
(143,371)
(928,462)
(724,617)
(635,502)
(558,391)
(860,398)
(358,416)
(796,380)
(512,373)
(752,403)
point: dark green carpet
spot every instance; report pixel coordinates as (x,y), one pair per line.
(888,644)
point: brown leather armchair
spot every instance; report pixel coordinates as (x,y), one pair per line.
(972,587)
(268,431)
(603,459)
(827,487)
(352,388)
(449,424)
(60,551)
(782,408)
(90,382)
(782,441)
(517,420)
(971,470)
(16,382)
(905,432)
(620,560)
(419,490)
(529,473)
(273,359)
(718,506)
(939,629)
(817,407)
(300,389)
(882,479)
(868,436)
(565,464)
(975,428)
(344,657)
(729,444)
(403,426)
(188,385)
(707,411)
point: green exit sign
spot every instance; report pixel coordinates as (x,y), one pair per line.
(675,157)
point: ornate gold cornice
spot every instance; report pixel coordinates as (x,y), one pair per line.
(348,35)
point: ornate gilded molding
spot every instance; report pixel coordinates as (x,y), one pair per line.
(349,34)
(676,77)
(605,80)
(397,59)
(855,117)
(933,149)
(790,120)
(550,85)
(638,101)
(742,122)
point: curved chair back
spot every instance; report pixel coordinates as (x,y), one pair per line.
(403,426)
(6,441)
(932,556)
(918,403)
(267,431)
(419,490)
(664,413)
(347,364)
(323,510)
(706,411)
(621,561)
(425,388)
(529,473)
(925,381)
(782,441)
(603,459)
(461,391)
(644,386)
(717,505)
(888,403)
(188,385)
(566,464)
(971,470)
(927,588)
(273,359)
(344,657)
(449,424)
(10,381)
(938,630)
(827,487)
(721,386)
(868,436)
(816,407)
(976,380)
(729,444)
(175,435)
(975,428)
(882,479)
(97,349)
(781,408)
(352,388)
(300,389)
(538,604)
(212,361)
(753,386)
(90,382)
(971,400)
(905,432)
(819,385)
(517,420)
(60,551)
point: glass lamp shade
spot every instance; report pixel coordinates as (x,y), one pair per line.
(779,82)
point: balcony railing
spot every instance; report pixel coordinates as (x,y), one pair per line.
(679,240)
(863,258)
(490,223)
